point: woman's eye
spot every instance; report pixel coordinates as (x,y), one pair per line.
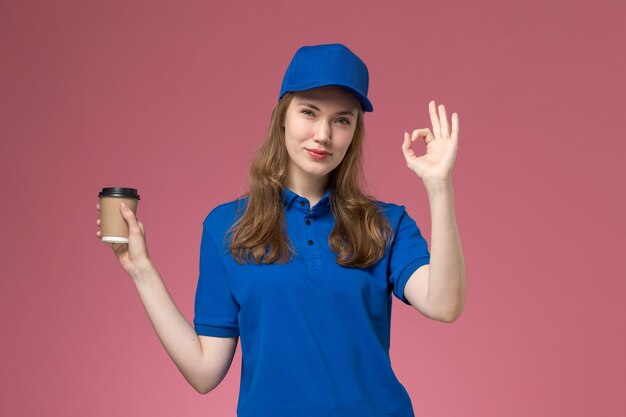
(343,120)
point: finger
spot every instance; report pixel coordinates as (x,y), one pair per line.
(130,218)
(141,227)
(417,133)
(428,136)
(443,120)
(406,146)
(434,118)
(407,141)
(98,222)
(98,206)
(455,126)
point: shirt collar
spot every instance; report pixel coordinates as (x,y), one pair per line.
(291,199)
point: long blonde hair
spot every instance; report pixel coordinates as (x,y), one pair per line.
(361,233)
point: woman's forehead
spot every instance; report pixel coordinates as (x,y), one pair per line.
(329,95)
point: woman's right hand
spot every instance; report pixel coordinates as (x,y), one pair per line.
(133,256)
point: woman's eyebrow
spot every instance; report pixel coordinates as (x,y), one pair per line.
(314,107)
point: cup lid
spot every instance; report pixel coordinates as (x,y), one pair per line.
(119,192)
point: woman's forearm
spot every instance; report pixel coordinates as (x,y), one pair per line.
(177,336)
(447,282)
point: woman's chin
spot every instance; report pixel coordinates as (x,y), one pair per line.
(321,170)
(314,170)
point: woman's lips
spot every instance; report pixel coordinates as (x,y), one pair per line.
(316,155)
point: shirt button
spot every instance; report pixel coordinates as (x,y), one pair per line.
(310,242)
(301,203)
(308,221)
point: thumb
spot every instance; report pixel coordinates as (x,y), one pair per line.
(129,216)
(406,147)
(141,227)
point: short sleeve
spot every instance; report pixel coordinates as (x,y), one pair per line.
(215,309)
(409,251)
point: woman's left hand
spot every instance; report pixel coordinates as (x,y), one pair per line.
(441,147)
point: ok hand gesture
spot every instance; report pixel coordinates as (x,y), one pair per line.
(441,147)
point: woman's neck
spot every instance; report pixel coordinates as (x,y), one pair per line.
(312,191)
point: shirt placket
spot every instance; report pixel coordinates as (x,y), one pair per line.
(311,237)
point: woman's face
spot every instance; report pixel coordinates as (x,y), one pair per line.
(321,119)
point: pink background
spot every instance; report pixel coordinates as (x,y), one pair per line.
(173,98)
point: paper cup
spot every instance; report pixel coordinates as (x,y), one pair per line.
(113,227)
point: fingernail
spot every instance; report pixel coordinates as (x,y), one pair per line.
(123,205)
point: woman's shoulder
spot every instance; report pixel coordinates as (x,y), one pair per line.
(398,216)
(222,216)
(392,210)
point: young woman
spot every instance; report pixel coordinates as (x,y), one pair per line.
(303,266)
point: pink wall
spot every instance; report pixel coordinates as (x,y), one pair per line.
(173,98)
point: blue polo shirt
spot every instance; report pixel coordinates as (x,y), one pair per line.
(314,334)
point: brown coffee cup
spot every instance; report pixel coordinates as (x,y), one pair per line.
(113,227)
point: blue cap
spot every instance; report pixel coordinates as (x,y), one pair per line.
(328,64)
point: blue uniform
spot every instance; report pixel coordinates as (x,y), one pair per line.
(314,334)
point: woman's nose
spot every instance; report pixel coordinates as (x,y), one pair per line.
(324,132)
